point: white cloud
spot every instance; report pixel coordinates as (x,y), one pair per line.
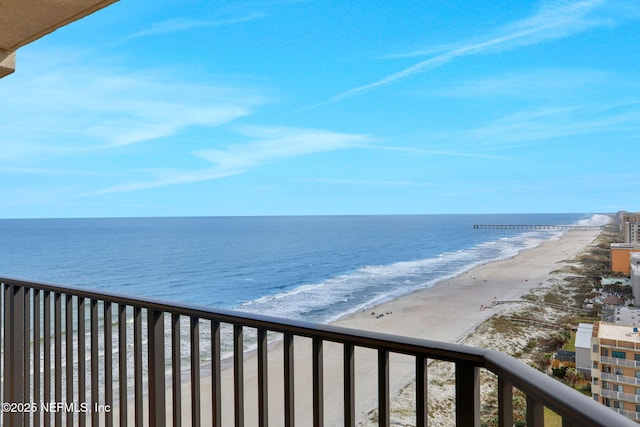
(74,109)
(553,20)
(278,143)
(141,122)
(268,145)
(237,14)
(181,24)
(552,123)
(368,182)
(532,84)
(447,153)
(47,171)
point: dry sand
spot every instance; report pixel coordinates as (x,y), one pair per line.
(447,311)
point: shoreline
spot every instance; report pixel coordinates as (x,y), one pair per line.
(447,311)
(496,275)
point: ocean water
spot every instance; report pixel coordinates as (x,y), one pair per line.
(315,268)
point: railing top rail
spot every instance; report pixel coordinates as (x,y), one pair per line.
(369,339)
(551,393)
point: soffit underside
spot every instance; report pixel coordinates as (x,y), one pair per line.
(23,21)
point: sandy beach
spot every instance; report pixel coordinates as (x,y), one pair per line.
(448,311)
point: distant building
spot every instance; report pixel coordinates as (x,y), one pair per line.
(630,226)
(616,282)
(626,316)
(566,356)
(635,277)
(611,302)
(630,232)
(615,369)
(583,349)
(621,256)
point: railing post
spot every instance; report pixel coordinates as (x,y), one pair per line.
(194,325)
(82,359)
(535,413)
(46,363)
(384,415)
(57,353)
(349,386)
(3,328)
(422,383)
(505,403)
(26,327)
(238,374)
(263,379)
(156,357)
(122,363)
(318,383)
(108,363)
(13,352)
(95,383)
(137,365)
(216,383)
(467,395)
(176,378)
(289,401)
(36,352)
(68,330)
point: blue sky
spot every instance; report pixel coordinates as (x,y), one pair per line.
(290,107)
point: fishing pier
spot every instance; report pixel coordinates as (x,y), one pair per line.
(534,227)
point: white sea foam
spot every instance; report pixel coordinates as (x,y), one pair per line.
(373,284)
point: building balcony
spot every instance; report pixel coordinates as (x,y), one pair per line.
(622,379)
(618,395)
(69,354)
(614,361)
(629,414)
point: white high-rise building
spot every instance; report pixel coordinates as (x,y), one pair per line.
(634,273)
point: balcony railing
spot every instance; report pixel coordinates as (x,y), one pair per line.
(629,414)
(619,362)
(619,395)
(49,333)
(623,379)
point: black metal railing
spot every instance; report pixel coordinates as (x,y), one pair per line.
(47,327)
